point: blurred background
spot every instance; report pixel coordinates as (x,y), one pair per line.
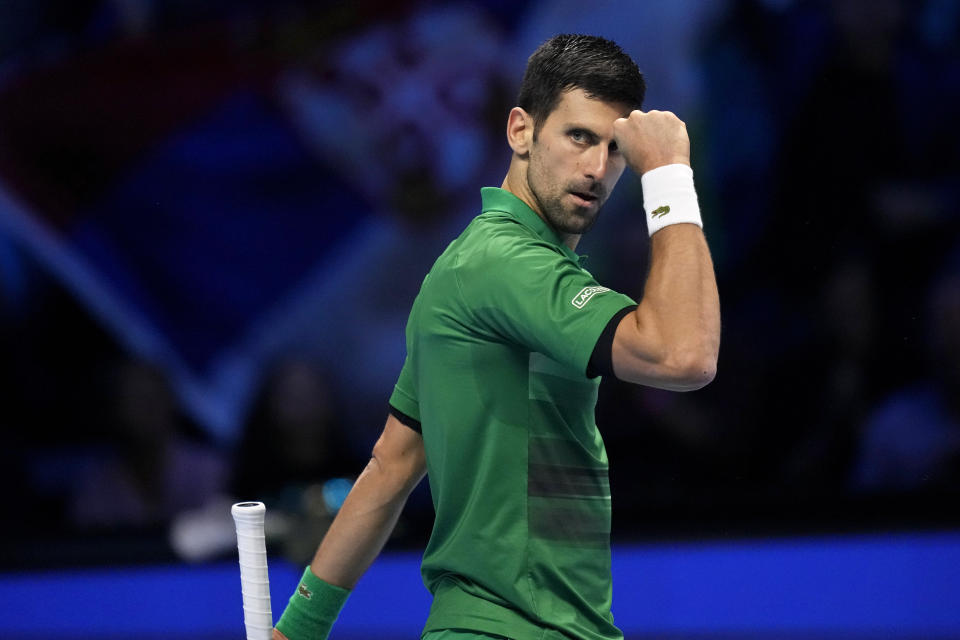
(214,217)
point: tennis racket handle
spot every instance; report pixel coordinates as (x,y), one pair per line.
(254,581)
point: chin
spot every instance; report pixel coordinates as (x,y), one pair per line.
(571,223)
(578,224)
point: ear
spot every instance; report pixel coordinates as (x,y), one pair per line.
(520,131)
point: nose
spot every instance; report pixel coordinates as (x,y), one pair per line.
(596,162)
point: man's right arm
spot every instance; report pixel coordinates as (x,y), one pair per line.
(371,509)
(672,339)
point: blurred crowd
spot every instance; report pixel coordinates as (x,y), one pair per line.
(214,217)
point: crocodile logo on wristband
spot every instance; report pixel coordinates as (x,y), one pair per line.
(659,212)
(304,592)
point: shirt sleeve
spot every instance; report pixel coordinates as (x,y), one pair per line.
(601,360)
(404,419)
(404,398)
(531,294)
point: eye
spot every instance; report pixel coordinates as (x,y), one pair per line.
(578,136)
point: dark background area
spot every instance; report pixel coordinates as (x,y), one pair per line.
(215,216)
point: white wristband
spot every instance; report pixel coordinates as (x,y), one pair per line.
(669,197)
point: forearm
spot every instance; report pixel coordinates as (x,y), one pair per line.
(681,297)
(674,339)
(363,525)
(353,541)
(357,534)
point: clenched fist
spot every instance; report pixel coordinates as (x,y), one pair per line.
(652,139)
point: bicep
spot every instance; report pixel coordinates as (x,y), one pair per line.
(399,451)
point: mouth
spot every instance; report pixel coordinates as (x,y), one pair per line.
(584,198)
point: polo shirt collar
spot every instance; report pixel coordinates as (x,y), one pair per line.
(495,199)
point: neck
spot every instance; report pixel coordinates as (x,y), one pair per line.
(516,183)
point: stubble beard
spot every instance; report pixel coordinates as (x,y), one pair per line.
(564,217)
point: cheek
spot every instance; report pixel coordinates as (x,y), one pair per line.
(552,170)
(540,165)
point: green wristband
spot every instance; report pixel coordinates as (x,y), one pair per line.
(312,610)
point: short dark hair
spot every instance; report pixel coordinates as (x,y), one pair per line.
(568,61)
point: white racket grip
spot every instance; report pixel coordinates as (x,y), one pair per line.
(254,581)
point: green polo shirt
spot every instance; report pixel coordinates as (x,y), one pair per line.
(498,343)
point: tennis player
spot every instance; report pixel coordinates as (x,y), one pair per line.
(506,343)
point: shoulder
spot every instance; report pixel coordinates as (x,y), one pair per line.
(498,243)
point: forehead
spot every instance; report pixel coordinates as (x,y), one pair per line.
(575,107)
